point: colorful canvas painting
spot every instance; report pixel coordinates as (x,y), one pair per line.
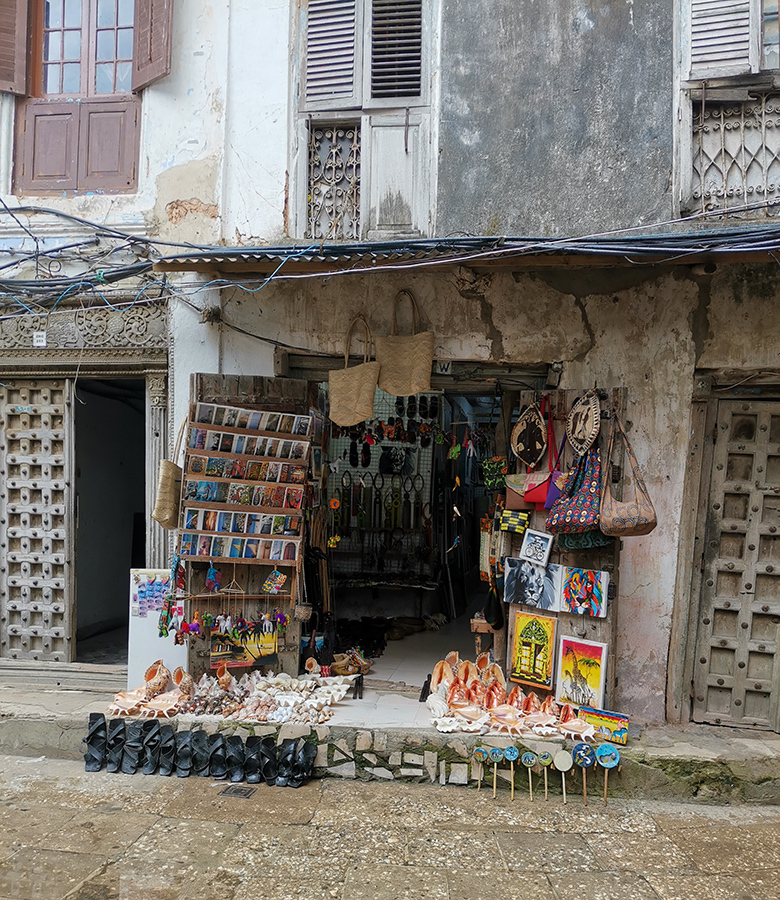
(531,585)
(584,592)
(610,726)
(533,649)
(582,670)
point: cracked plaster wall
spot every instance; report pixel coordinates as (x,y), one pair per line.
(645,330)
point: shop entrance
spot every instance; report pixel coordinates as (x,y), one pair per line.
(736,670)
(109,505)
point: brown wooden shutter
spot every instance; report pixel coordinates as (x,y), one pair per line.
(151,41)
(724,37)
(108,145)
(48,141)
(13,46)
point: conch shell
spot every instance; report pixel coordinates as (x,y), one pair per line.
(442,674)
(467,672)
(516,697)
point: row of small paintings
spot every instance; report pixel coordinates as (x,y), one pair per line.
(247,471)
(227,442)
(556,588)
(244,494)
(204,545)
(251,420)
(580,674)
(241,523)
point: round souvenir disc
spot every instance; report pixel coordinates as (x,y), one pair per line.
(584,755)
(545,758)
(529,436)
(528,759)
(197,465)
(496,754)
(608,756)
(480,754)
(583,423)
(563,761)
(511,753)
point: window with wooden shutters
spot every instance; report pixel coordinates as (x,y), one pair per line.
(13,46)
(332,76)
(79,128)
(396,48)
(733,37)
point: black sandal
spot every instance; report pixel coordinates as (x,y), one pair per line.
(353,454)
(200,754)
(167,749)
(252,759)
(134,747)
(183,753)
(411,407)
(424,406)
(151,742)
(287,754)
(303,765)
(96,743)
(235,758)
(217,757)
(269,765)
(115,744)
(365,455)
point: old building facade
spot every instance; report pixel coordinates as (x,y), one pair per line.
(175,179)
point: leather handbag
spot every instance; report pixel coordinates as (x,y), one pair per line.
(626,518)
(352,390)
(405,360)
(537,493)
(577,509)
(517,485)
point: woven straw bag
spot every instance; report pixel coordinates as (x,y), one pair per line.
(634,516)
(169,477)
(405,360)
(352,390)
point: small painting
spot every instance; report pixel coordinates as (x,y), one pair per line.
(610,726)
(531,585)
(533,649)
(536,547)
(582,670)
(205,413)
(584,591)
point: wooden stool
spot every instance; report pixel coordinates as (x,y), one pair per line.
(478,628)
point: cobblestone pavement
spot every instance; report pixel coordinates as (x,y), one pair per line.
(65,833)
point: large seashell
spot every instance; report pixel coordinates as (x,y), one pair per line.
(483,660)
(156,678)
(531,704)
(495,695)
(566,714)
(442,674)
(437,706)
(456,692)
(550,707)
(453,660)
(467,672)
(447,724)
(516,697)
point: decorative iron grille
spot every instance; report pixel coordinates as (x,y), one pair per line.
(334,181)
(736,155)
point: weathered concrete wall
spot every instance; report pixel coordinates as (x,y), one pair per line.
(556,118)
(643,329)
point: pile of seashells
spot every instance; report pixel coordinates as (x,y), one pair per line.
(471,697)
(270,698)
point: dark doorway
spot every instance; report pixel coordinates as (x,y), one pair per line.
(110,517)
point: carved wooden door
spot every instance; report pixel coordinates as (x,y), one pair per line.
(37,618)
(736,673)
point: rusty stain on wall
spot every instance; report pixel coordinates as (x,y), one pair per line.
(178,210)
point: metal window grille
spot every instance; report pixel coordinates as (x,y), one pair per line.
(334,181)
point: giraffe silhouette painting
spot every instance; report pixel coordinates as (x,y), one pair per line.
(581,672)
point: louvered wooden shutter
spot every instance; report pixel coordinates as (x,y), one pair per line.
(13,46)
(151,41)
(725,37)
(396,48)
(332,77)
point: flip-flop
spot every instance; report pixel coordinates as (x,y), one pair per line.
(96,743)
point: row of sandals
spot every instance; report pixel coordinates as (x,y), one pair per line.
(127,746)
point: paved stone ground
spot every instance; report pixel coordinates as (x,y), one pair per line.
(68,834)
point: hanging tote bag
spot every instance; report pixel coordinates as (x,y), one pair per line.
(405,360)
(536,493)
(577,509)
(352,390)
(169,477)
(626,518)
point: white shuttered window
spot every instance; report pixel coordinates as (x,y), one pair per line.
(362,50)
(732,37)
